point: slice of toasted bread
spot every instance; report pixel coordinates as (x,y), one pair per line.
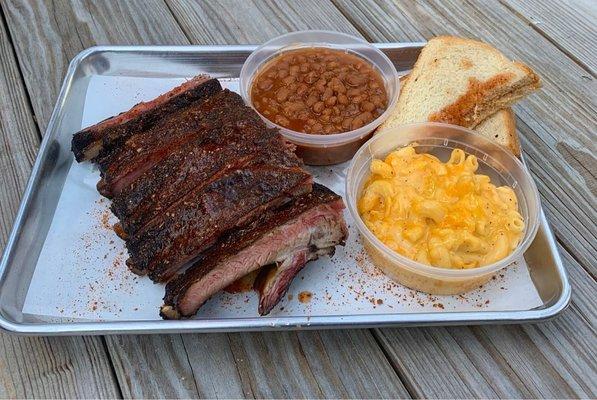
(499,127)
(462,82)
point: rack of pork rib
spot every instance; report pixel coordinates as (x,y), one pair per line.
(205,194)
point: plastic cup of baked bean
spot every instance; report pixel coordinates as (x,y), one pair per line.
(326,91)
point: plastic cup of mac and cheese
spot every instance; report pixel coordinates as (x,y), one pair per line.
(440,140)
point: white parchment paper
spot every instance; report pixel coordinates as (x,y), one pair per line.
(81,272)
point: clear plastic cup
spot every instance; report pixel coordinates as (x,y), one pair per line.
(439,140)
(334,148)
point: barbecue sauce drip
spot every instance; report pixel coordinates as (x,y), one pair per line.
(305,297)
(244,284)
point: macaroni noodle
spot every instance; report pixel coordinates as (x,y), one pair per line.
(440,214)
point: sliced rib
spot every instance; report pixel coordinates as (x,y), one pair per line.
(89,142)
(202,121)
(198,221)
(275,279)
(288,237)
(194,166)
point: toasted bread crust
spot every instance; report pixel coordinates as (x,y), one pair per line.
(500,127)
(464,82)
(464,111)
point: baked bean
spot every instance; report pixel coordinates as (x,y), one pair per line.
(351,109)
(303,114)
(360,120)
(318,107)
(312,99)
(377,100)
(295,106)
(310,77)
(320,84)
(288,80)
(281,120)
(319,91)
(353,92)
(355,80)
(330,101)
(367,106)
(327,75)
(346,123)
(266,84)
(282,94)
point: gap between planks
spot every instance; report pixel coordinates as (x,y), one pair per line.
(547,37)
(20,69)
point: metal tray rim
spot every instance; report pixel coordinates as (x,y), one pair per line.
(249,324)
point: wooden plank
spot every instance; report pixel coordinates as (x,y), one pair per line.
(268,364)
(330,364)
(568,24)
(197,365)
(56,31)
(556,124)
(553,359)
(154,366)
(253,21)
(37,367)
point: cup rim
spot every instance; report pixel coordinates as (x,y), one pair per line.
(319,139)
(533,218)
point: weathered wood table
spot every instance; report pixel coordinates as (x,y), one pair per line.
(558,128)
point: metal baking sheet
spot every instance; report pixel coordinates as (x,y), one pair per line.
(41,244)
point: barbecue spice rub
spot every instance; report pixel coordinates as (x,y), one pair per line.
(287,237)
(196,168)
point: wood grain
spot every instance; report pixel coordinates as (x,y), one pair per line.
(253,21)
(55,31)
(285,365)
(330,364)
(37,367)
(568,24)
(175,366)
(556,124)
(154,366)
(511,361)
(554,359)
